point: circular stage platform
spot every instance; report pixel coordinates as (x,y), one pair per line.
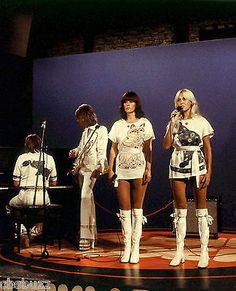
(101,268)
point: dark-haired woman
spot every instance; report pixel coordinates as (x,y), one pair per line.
(28,177)
(90,162)
(130,162)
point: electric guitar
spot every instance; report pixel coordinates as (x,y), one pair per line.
(76,166)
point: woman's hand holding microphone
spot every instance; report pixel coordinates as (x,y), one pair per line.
(175,114)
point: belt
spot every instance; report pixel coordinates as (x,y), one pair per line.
(195,160)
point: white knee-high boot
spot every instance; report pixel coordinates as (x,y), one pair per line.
(137,221)
(204,220)
(180,226)
(125,219)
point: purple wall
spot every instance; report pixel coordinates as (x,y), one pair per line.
(155,73)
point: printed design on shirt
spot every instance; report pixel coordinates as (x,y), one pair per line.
(130,161)
(133,140)
(188,137)
(188,155)
(186,171)
(37,165)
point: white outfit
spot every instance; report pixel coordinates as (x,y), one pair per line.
(88,227)
(29,170)
(187,159)
(130,164)
(91,155)
(130,137)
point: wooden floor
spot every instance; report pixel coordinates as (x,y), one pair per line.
(100,268)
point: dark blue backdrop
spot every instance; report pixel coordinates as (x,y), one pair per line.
(155,73)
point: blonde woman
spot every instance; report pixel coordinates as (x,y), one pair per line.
(189,133)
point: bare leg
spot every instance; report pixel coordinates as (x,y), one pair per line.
(138,193)
(123,194)
(200,196)
(179,193)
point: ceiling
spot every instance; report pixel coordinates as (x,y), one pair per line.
(100,14)
(105,13)
(55,20)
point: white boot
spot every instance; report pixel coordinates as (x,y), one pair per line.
(203,225)
(137,221)
(125,218)
(180,226)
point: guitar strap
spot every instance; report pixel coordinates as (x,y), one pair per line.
(87,142)
(75,164)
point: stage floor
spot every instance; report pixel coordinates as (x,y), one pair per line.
(101,269)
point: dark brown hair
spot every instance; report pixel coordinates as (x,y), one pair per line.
(86,111)
(32,143)
(131,96)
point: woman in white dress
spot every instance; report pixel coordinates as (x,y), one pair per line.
(191,162)
(130,162)
(90,162)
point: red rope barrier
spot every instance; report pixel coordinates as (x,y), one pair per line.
(159,210)
(105,209)
(147,215)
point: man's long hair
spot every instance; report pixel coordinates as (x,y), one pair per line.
(86,111)
(32,143)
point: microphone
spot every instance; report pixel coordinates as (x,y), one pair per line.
(113,178)
(44,124)
(176,111)
(179,108)
(97,126)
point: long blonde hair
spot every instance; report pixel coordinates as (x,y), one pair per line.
(189,96)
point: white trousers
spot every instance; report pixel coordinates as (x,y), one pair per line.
(26,198)
(88,227)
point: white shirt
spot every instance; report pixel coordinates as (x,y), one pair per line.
(130,137)
(28,167)
(187,159)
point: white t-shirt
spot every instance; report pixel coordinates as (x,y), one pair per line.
(28,167)
(187,143)
(130,137)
